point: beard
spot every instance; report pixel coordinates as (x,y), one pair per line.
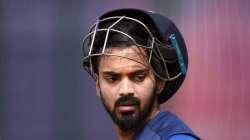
(131,120)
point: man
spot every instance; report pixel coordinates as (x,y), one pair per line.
(138,60)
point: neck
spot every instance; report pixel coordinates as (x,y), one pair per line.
(129,134)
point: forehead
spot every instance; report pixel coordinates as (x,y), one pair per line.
(121,58)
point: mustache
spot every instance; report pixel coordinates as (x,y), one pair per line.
(127,100)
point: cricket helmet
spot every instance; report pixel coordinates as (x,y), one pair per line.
(166,49)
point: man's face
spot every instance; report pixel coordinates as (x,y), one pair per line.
(127,87)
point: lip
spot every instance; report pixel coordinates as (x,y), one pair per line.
(127,108)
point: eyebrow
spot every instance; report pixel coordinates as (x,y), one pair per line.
(110,73)
(139,71)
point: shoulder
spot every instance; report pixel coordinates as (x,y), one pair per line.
(165,126)
(181,137)
(168,125)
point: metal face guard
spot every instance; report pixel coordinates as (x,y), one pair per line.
(101,36)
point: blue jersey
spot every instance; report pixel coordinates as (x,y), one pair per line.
(165,126)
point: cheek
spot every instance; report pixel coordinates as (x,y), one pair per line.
(144,92)
(108,95)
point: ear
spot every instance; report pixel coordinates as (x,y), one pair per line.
(97,85)
(160,86)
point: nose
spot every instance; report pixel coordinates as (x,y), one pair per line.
(126,87)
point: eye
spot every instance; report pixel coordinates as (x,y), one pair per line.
(138,77)
(111,78)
